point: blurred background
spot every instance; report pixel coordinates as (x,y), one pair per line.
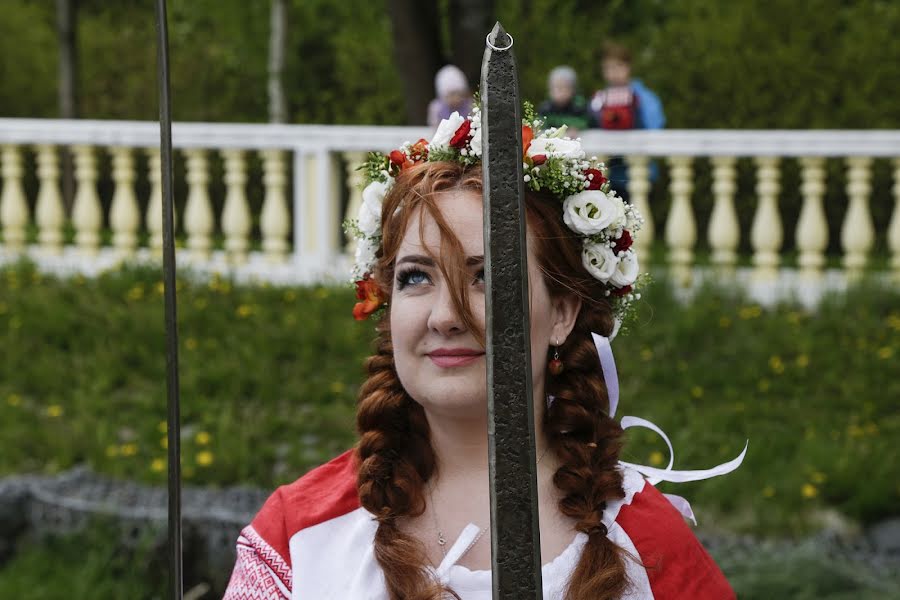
(773,315)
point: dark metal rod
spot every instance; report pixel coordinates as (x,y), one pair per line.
(515,530)
(176,586)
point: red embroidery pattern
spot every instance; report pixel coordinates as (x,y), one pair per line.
(255,572)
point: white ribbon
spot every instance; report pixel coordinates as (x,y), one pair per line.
(655,475)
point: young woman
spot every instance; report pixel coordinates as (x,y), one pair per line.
(405,515)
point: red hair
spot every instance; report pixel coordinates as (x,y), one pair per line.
(395,453)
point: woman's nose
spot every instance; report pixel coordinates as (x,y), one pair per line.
(444,317)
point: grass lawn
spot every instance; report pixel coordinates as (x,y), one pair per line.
(269,377)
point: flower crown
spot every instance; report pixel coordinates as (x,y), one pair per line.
(605,223)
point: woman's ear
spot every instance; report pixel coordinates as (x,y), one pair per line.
(565,311)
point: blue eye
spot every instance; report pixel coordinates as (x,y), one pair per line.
(411,277)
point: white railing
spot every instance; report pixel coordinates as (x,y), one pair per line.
(311,160)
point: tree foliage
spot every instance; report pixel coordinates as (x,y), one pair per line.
(715,63)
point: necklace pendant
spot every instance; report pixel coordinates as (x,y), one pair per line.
(441,541)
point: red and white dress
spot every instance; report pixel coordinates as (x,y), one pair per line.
(313,541)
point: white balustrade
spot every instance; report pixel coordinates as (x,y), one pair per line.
(681,227)
(812,226)
(766,233)
(124,214)
(274,222)
(198,213)
(893,234)
(236,212)
(723,230)
(321,161)
(87,216)
(13,207)
(49,213)
(639,194)
(154,204)
(857,231)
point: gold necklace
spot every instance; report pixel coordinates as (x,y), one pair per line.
(442,541)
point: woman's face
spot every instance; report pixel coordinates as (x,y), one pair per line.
(438,359)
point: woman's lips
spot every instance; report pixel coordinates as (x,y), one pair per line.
(454,358)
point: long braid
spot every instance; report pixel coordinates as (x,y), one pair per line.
(395,459)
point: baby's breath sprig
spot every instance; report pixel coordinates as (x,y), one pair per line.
(376,167)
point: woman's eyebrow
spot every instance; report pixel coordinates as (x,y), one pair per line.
(474,260)
(417,259)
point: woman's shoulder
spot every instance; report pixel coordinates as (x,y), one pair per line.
(676,564)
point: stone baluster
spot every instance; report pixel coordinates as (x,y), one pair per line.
(812,226)
(198,212)
(639,192)
(857,231)
(681,227)
(275,219)
(723,231)
(124,214)
(154,203)
(13,206)
(356,181)
(236,212)
(87,215)
(49,212)
(766,233)
(893,232)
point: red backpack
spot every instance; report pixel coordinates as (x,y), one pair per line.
(616,108)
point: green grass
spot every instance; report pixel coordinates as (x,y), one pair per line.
(269,377)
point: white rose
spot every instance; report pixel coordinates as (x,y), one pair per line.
(626,270)
(599,260)
(563,148)
(591,212)
(445,132)
(370,210)
(475,142)
(365,257)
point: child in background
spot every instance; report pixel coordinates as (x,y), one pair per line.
(624,104)
(565,106)
(453,95)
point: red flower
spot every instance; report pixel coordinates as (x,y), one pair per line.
(597,181)
(527,136)
(420,150)
(538,159)
(624,242)
(621,291)
(461,137)
(370,294)
(397,158)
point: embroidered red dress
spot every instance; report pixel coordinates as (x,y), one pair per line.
(312,541)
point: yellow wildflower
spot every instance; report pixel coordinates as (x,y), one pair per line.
(724,322)
(160,288)
(290,296)
(205,458)
(809,491)
(202,438)
(885,353)
(802,361)
(893,321)
(54,410)
(337,387)
(162,427)
(190,343)
(697,391)
(870,429)
(128,449)
(768,491)
(14,400)
(135,293)
(244,311)
(817,477)
(750,312)
(646,354)
(776,364)
(656,458)
(158,465)
(164,442)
